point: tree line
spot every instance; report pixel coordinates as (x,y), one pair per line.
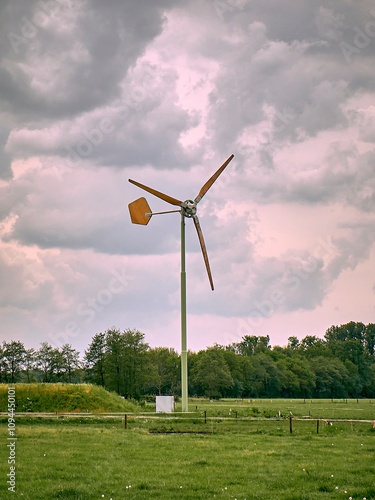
(340,365)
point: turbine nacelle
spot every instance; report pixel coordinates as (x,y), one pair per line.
(189,208)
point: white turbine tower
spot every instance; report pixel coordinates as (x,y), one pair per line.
(140,213)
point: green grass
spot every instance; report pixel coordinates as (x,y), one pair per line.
(64,397)
(186,458)
(316,408)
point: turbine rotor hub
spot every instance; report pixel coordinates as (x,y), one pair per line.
(190,208)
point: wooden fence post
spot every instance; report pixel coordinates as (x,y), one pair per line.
(290,425)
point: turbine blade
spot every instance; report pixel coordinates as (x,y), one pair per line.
(212,179)
(165,197)
(203,247)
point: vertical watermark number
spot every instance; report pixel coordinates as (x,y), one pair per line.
(11,475)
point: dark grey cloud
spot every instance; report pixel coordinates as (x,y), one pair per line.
(5,159)
(331,21)
(65,58)
(352,250)
(80,210)
(290,57)
(262,286)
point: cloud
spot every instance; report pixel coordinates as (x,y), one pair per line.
(73,56)
(93,93)
(5,159)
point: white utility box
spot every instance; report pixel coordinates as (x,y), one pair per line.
(164,404)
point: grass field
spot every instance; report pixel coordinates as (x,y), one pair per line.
(317,408)
(188,458)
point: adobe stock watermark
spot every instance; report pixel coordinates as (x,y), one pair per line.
(223,6)
(282,119)
(277,121)
(87,311)
(93,138)
(11,475)
(29,28)
(292,281)
(362,39)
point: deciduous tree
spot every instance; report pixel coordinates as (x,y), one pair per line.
(14,353)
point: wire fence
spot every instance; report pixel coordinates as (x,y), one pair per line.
(180,416)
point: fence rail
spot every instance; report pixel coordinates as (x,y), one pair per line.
(177,416)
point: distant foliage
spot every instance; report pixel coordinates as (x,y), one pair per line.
(119,361)
(340,365)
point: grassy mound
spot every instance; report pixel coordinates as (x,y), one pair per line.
(64,397)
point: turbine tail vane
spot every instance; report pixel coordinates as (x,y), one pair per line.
(203,247)
(212,179)
(140,212)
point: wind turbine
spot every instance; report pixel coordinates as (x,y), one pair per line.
(140,213)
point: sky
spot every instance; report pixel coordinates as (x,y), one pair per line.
(93,93)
